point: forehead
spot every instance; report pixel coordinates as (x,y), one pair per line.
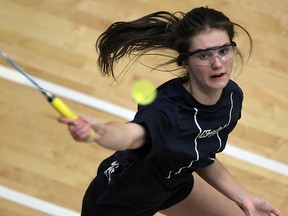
(209,38)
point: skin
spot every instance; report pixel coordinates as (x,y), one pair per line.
(201,85)
(215,192)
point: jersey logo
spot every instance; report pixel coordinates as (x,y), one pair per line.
(209,133)
(203,134)
(111,169)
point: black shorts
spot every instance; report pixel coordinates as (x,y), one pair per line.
(98,190)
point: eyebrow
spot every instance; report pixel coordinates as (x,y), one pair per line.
(232,43)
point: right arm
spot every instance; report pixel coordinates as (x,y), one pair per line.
(111,135)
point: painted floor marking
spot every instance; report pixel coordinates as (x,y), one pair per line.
(116,110)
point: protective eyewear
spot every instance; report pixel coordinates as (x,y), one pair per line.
(205,57)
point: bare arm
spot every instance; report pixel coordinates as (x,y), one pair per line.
(111,135)
(218,177)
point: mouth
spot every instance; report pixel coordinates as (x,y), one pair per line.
(215,76)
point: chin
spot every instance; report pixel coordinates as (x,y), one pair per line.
(219,84)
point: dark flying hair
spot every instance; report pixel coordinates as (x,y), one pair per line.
(159,30)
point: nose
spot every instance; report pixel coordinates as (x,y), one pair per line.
(216,62)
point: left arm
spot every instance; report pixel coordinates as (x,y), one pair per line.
(219,178)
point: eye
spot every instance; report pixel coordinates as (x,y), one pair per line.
(204,55)
(223,51)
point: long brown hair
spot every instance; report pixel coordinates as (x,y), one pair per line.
(157,31)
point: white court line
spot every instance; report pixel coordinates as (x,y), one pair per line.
(256,159)
(127,114)
(78,97)
(35,203)
(116,110)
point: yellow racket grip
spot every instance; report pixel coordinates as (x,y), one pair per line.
(65,111)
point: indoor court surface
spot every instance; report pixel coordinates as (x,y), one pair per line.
(43,171)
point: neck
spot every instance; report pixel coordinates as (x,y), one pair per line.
(205,97)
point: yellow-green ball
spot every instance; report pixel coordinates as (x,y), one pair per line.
(143,92)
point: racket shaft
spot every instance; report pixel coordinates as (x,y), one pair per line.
(56,102)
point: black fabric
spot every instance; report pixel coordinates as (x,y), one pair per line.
(182,135)
(177,123)
(134,195)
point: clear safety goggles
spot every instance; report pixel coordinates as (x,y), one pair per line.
(205,57)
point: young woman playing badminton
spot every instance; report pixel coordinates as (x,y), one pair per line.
(179,133)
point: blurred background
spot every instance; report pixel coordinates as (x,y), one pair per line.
(55,42)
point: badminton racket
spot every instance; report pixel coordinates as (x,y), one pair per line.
(56,102)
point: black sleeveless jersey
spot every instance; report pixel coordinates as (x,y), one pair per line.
(182,135)
(189,132)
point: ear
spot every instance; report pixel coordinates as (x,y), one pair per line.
(186,63)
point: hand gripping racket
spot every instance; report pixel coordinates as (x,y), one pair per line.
(56,102)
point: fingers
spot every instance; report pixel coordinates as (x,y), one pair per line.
(80,132)
(276,212)
(79,129)
(273,210)
(64,120)
(262,207)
